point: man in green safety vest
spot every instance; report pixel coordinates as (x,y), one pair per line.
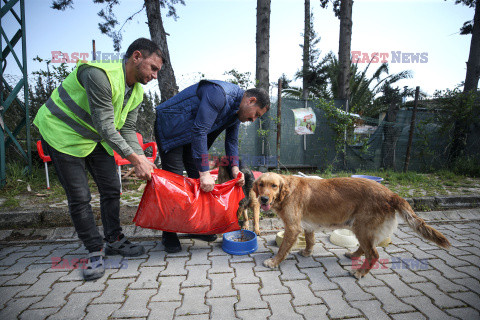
(80,125)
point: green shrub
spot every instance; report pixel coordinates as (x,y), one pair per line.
(468,166)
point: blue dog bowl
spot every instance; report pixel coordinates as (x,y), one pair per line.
(229,245)
(377,179)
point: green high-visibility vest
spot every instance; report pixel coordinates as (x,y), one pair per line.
(65,120)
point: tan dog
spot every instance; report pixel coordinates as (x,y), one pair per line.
(250,200)
(364,206)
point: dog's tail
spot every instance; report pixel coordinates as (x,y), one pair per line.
(418,224)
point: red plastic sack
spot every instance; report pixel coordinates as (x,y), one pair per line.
(173,203)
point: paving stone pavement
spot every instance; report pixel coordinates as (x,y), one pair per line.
(416,280)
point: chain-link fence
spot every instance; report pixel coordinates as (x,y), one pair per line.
(367,143)
(371,143)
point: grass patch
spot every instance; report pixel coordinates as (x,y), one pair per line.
(11,203)
(407,185)
(414,184)
(19,182)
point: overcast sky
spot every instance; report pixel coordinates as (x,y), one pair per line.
(214,36)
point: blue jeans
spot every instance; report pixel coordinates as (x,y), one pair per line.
(72,173)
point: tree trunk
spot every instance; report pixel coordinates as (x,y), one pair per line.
(306,50)
(390,137)
(262,67)
(473,64)
(460,131)
(166,76)
(344,49)
(263,44)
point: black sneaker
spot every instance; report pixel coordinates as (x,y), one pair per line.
(95,267)
(204,237)
(171,242)
(124,248)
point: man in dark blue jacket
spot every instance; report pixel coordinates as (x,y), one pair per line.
(188,124)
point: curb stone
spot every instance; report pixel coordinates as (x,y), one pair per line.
(444,202)
(58,216)
(268,226)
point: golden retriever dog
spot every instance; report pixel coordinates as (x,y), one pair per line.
(364,206)
(250,200)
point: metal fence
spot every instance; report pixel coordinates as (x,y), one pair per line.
(370,142)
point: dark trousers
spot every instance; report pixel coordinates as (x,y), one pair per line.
(72,173)
(181,157)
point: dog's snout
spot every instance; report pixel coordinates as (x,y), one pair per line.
(264,199)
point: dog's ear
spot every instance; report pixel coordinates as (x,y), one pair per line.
(284,190)
(255,188)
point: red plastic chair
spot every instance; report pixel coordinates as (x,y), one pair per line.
(145,146)
(121,161)
(45,159)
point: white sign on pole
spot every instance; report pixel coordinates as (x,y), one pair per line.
(305,121)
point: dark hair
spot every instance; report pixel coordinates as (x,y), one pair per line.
(263,99)
(146,47)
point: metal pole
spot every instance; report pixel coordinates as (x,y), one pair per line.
(3,175)
(94,53)
(49,85)
(412,129)
(25,87)
(263,141)
(345,138)
(305,137)
(46,175)
(279,121)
